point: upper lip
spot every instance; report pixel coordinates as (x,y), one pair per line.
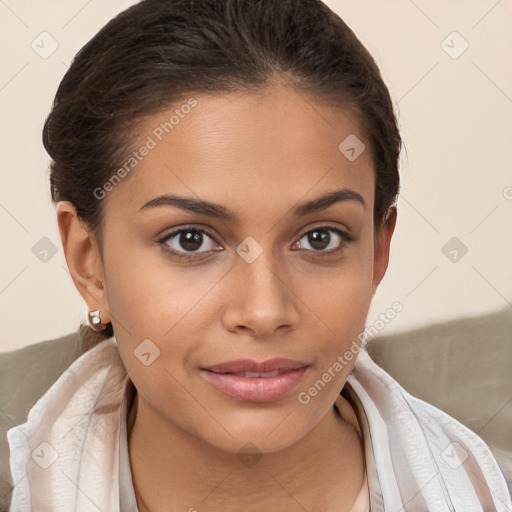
(249,365)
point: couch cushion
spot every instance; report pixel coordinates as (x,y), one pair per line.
(463,367)
(25,375)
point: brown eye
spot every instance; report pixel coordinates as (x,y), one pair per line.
(190,240)
(325,239)
(187,241)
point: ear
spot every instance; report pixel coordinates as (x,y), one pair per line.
(382,243)
(84,259)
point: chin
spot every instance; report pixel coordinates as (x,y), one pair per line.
(266,434)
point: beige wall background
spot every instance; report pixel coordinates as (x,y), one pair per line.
(447,64)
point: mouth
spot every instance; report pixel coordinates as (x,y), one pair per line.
(249,366)
(252,375)
(250,381)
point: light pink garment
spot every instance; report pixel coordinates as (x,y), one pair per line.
(66,457)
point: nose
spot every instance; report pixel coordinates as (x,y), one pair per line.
(261,300)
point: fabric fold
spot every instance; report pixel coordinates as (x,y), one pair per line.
(65,456)
(438,464)
(72,453)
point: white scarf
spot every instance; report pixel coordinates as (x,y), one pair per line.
(65,457)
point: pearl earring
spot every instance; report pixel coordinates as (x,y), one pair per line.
(94,320)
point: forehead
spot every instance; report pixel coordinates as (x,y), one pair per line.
(236,146)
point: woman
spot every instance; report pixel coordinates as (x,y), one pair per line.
(226,175)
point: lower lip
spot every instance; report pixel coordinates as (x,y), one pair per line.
(255,389)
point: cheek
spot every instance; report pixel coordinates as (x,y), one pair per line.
(341,295)
(149,308)
(148,295)
(157,301)
(179,308)
(340,302)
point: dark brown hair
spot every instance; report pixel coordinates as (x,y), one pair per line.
(157,52)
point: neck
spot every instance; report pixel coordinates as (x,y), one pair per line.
(173,469)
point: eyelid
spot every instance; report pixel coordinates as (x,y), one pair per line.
(177,231)
(343,233)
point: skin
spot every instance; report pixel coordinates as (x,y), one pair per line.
(258,155)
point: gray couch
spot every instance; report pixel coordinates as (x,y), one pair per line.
(463,367)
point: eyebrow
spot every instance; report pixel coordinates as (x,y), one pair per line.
(215,210)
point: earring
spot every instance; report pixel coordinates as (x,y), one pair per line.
(94,320)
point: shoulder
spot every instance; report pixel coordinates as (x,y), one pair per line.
(457,446)
(26,375)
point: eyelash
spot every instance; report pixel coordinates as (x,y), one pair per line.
(347,237)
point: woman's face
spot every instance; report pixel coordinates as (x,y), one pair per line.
(273,280)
